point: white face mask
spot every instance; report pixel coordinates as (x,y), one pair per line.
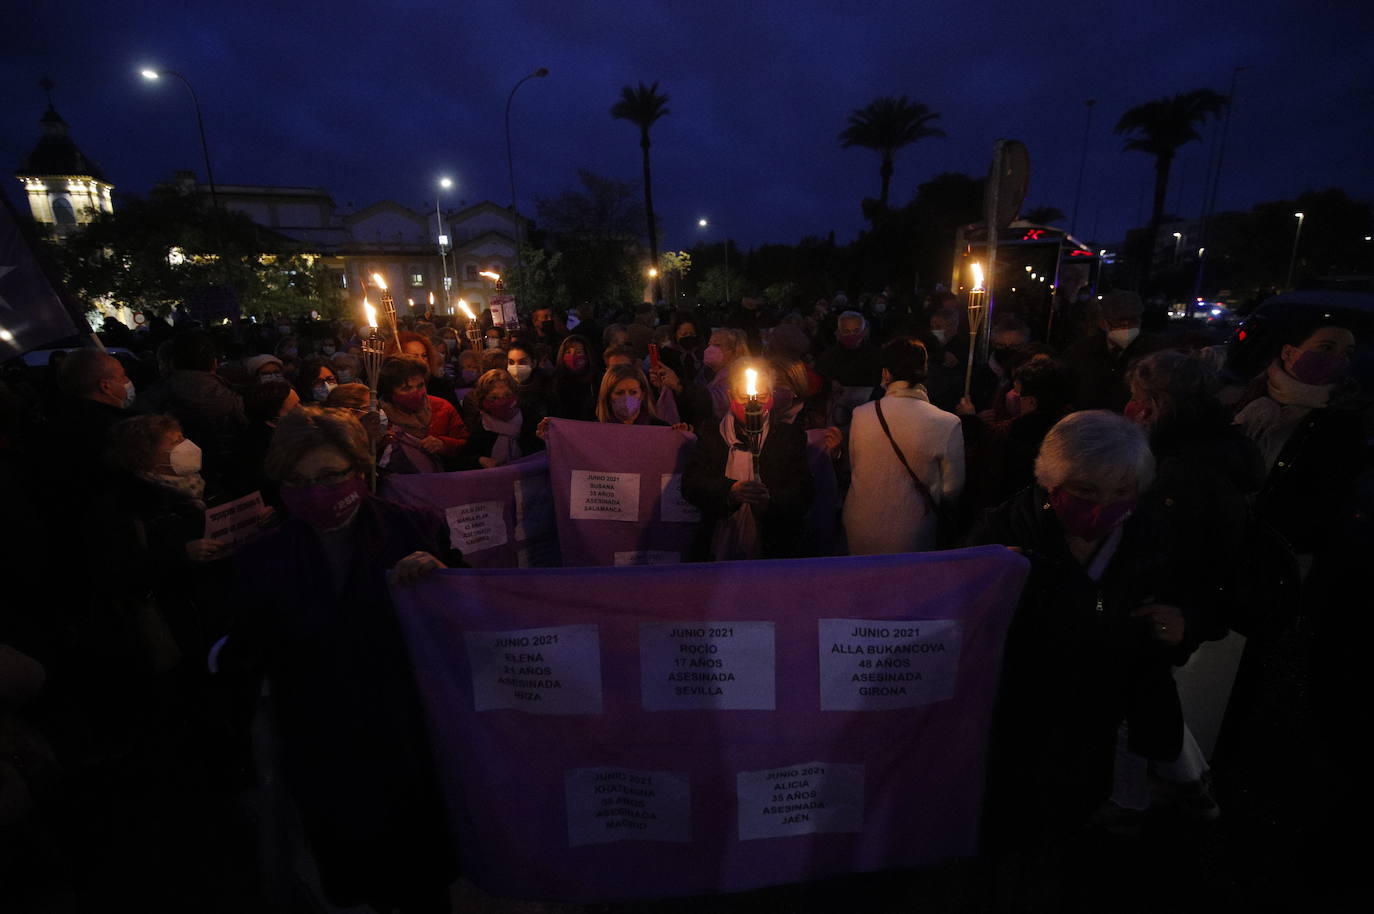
(128,395)
(1123,338)
(271,378)
(344,375)
(321,391)
(521,373)
(185,458)
(941,336)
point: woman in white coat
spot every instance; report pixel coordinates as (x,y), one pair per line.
(886,509)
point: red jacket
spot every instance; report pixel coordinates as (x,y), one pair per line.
(447,425)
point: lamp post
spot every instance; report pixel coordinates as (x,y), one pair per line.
(151,74)
(1178,241)
(510,170)
(1293,261)
(703,222)
(445,183)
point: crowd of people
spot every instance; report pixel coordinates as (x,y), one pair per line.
(1159,504)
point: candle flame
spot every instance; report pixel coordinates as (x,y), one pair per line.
(977,276)
(467,312)
(381,283)
(371,314)
(751,378)
(431,299)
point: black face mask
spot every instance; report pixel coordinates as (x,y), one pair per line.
(688,342)
(546,327)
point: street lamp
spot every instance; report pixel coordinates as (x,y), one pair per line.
(1178,242)
(510,169)
(444,183)
(151,74)
(1293,261)
(703,222)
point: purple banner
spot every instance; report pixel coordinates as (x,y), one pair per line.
(499,518)
(618,493)
(703,728)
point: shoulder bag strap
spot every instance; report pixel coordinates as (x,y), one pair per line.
(926,495)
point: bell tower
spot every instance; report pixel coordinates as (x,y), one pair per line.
(65,188)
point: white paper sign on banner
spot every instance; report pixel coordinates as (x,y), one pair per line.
(234,521)
(874,665)
(673,507)
(540,670)
(686,666)
(648,557)
(620,804)
(604,496)
(811,798)
(477,526)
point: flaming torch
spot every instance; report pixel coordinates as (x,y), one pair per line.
(977,311)
(389,306)
(474,332)
(753,418)
(374,350)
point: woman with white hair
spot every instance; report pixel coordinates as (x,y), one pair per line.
(1093,641)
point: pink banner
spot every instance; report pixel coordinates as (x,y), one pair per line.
(499,518)
(618,493)
(702,728)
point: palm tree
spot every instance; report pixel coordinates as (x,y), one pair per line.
(643,106)
(1160,127)
(886,125)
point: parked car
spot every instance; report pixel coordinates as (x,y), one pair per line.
(1258,338)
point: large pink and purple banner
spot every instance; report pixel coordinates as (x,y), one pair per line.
(676,730)
(500,517)
(618,493)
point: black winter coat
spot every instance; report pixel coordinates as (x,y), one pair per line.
(355,752)
(783,468)
(1077,665)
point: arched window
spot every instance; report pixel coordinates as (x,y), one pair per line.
(62,212)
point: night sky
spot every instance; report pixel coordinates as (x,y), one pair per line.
(376,100)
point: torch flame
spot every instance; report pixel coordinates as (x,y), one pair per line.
(490,275)
(977,276)
(371,314)
(467,312)
(751,378)
(431,299)
(381,283)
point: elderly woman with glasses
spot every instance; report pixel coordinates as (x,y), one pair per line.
(317,618)
(1100,624)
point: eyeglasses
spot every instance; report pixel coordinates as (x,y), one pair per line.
(327,478)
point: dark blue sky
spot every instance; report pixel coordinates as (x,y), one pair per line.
(375,100)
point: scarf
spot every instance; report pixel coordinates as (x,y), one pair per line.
(903,389)
(1289,391)
(416,423)
(191,488)
(507,447)
(737,535)
(1270,420)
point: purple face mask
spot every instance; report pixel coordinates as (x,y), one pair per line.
(1316,366)
(325,507)
(1087,519)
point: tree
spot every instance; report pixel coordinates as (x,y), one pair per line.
(156,253)
(886,125)
(1043,215)
(643,106)
(596,229)
(1159,128)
